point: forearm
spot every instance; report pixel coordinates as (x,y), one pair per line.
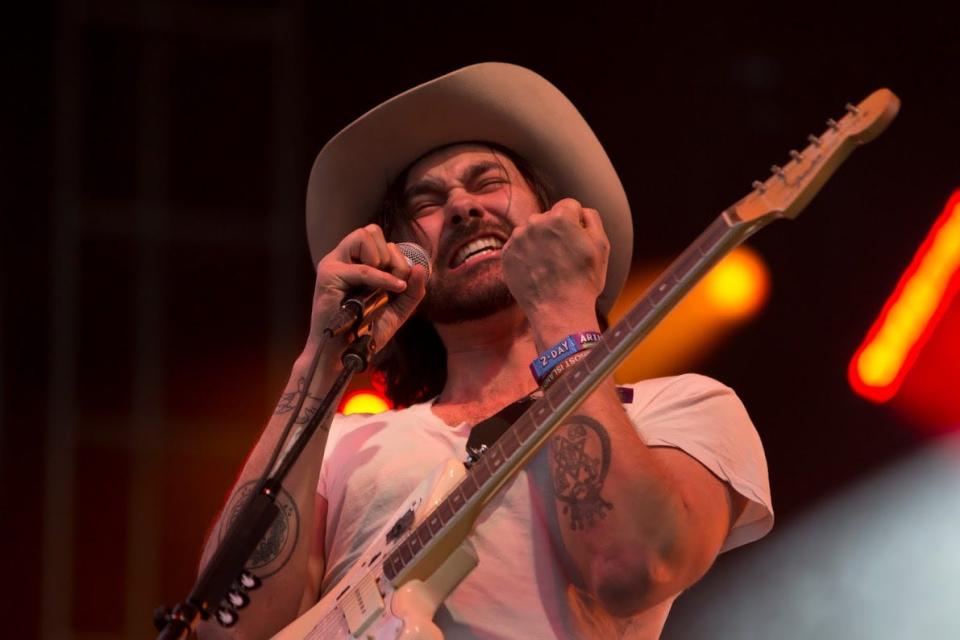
(283,555)
(619,509)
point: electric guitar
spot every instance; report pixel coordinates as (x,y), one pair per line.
(424,551)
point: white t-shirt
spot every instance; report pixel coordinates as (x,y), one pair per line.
(523,587)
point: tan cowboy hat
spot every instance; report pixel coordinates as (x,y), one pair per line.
(492,102)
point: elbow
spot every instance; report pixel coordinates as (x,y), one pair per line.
(626,589)
(629,585)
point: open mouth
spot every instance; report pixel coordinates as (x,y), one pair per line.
(475,249)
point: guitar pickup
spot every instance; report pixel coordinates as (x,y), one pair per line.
(362,605)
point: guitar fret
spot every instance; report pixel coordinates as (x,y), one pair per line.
(713,234)
(494,457)
(509,442)
(415,545)
(658,292)
(524,427)
(539,413)
(423,533)
(434,523)
(571,381)
(555,394)
(636,316)
(686,262)
(468,486)
(445,511)
(392,565)
(405,553)
(457,499)
(481,472)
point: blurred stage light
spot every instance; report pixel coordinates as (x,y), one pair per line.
(877,562)
(910,315)
(737,286)
(730,294)
(364,401)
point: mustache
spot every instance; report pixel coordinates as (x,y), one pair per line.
(470,229)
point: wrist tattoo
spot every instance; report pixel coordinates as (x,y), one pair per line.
(277,545)
(580,457)
(290,399)
(307,414)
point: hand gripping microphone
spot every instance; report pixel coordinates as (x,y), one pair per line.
(360,302)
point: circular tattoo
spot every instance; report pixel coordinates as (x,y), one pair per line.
(581,459)
(277,545)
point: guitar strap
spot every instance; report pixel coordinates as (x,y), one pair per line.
(485,434)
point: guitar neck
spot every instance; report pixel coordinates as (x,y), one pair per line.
(447,524)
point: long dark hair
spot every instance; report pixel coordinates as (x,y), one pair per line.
(412,367)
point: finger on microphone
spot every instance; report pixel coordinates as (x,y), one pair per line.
(406,302)
(363,275)
(399,264)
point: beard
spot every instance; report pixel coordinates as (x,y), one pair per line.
(479,296)
(478,292)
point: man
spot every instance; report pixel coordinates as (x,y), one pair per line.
(496,174)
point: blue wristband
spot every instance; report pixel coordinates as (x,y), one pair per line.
(550,358)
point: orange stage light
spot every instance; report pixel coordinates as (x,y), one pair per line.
(732,292)
(364,401)
(737,286)
(910,315)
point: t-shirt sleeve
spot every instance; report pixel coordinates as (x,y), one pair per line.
(706,420)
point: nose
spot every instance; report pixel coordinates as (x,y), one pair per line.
(461,207)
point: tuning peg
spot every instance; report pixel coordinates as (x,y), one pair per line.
(814,140)
(796,155)
(778,171)
(248,581)
(852,109)
(833,124)
(226,616)
(759,186)
(237,599)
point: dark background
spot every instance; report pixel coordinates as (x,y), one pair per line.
(156,282)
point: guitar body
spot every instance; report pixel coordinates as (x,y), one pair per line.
(364,604)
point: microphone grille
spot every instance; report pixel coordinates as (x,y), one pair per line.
(416,255)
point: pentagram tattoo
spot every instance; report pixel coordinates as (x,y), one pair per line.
(278,543)
(580,454)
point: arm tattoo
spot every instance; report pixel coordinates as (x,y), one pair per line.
(277,545)
(288,401)
(307,414)
(580,456)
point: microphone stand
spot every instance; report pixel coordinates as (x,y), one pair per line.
(222,587)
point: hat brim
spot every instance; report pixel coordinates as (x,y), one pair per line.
(492,102)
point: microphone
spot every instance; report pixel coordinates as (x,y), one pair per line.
(360,302)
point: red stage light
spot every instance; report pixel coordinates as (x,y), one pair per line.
(910,315)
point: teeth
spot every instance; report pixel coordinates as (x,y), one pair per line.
(475,248)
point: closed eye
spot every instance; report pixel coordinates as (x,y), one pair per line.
(423,207)
(490,184)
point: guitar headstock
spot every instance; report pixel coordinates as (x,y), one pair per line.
(791,186)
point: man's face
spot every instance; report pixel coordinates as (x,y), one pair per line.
(467,200)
